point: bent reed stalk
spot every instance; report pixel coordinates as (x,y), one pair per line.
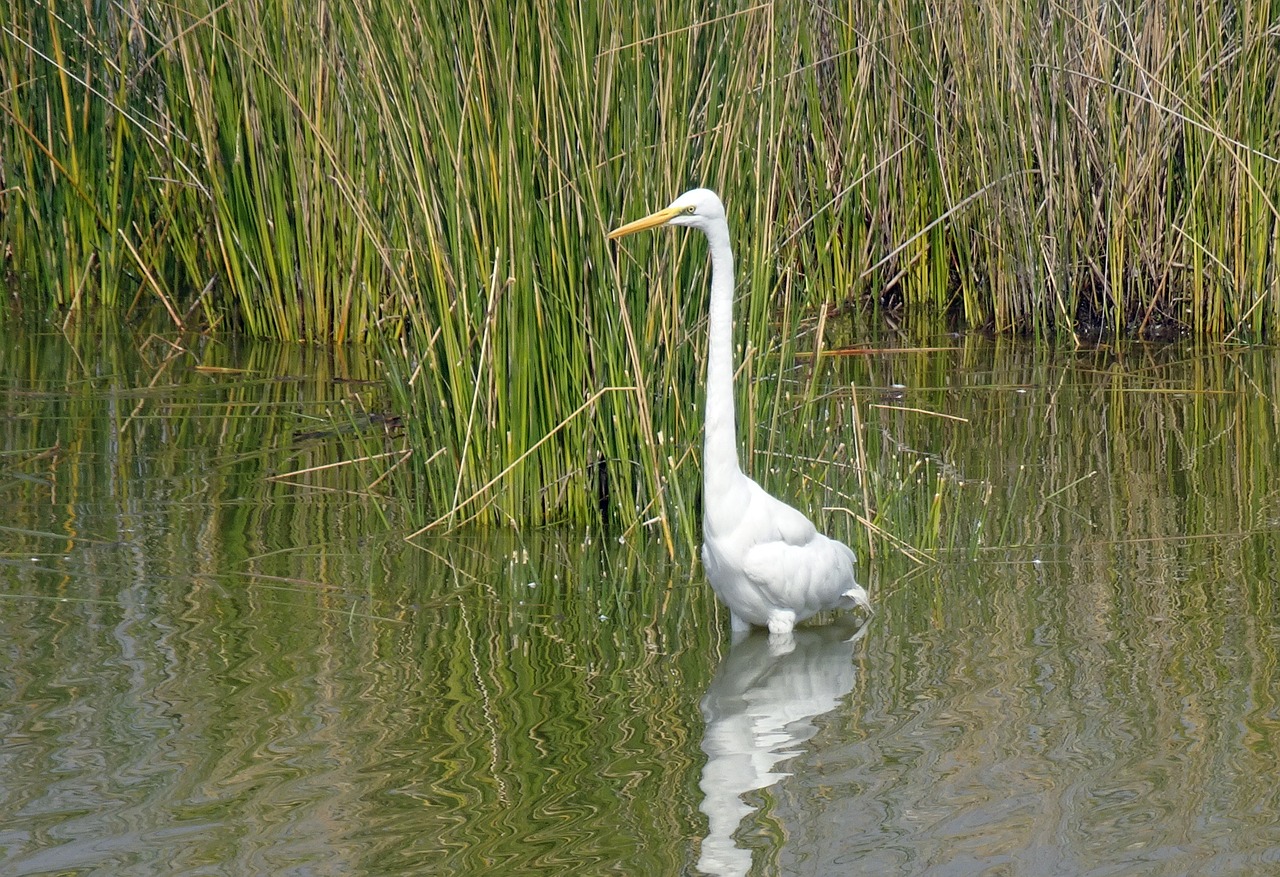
(437,178)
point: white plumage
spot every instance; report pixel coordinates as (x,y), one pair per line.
(764,559)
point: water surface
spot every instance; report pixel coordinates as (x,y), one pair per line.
(218,659)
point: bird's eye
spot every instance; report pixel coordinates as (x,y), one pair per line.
(690,209)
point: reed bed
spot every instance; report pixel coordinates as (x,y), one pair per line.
(436,178)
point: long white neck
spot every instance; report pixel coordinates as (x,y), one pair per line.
(720,442)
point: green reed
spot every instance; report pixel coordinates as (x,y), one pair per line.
(437,178)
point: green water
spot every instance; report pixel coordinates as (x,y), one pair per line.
(215,662)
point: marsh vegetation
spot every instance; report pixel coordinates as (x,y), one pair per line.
(435,179)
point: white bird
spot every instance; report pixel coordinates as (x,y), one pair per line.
(764,559)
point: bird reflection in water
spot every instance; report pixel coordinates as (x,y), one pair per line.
(759,709)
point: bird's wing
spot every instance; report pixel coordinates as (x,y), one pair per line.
(805,578)
(793,563)
(789,524)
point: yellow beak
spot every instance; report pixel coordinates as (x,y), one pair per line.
(653,220)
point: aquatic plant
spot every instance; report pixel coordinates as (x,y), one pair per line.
(437,178)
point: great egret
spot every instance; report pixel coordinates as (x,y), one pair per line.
(764,559)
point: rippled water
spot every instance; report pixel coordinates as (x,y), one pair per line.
(208,669)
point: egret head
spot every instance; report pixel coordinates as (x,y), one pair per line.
(697,208)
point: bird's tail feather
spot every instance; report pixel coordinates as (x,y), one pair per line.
(857,595)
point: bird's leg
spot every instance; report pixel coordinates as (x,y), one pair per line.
(781,621)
